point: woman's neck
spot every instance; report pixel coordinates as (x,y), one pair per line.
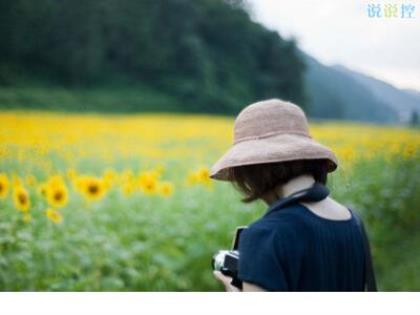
(295,184)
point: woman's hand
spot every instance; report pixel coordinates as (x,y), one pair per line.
(247,287)
(226,281)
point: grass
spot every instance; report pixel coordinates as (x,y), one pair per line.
(112,99)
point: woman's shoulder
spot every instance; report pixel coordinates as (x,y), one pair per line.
(293,222)
(284,225)
(286,218)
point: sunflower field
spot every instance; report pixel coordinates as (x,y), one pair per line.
(125,203)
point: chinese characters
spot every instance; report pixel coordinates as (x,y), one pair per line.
(390,10)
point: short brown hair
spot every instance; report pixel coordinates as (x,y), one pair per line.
(257,179)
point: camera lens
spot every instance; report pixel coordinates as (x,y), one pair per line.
(219,260)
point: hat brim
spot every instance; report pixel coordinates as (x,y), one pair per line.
(280,148)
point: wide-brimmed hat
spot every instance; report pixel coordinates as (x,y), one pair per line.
(271,131)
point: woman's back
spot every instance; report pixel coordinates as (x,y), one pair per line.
(273,156)
(294,249)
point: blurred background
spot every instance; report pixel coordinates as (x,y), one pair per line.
(111,113)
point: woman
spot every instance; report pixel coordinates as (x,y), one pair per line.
(305,246)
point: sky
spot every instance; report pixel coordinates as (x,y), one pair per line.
(341,32)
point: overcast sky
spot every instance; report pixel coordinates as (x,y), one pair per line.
(340,31)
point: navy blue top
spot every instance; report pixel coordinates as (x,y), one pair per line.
(293,249)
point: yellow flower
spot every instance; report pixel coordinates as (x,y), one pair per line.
(165,188)
(109,177)
(17,181)
(57,196)
(54,215)
(91,187)
(4,185)
(56,181)
(31,180)
(42,189)
(79,183)
(126,175)
(192,178)
(71,173)
(148,182)
(128,188)
(159,169)
(203,174)
(27,217)
(110,174)
(21,198)
(200,176)
(347,153)
(149,186)
(409,150)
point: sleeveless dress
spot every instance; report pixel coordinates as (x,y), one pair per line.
(293,249)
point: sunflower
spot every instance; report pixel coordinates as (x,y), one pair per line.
(31,180)
(159,169)
(128,188)
(4,185)
(17,181)
(347,153)
(42,189)
(91,187)
(148,182)
(165,188)
(200,176)
(27,217)
(126,175)
(57,195)
(409,150)
(110,174)
(54,215)
(192,178)
(109,177)
(56,181)
(21,198)
(203,174)
(79,183)
(149,186)
(71,173)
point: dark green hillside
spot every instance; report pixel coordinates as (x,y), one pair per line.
(200,56)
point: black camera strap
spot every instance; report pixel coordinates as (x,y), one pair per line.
(318,192)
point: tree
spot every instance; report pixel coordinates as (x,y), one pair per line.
(414,120)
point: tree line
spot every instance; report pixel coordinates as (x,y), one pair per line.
(208,54)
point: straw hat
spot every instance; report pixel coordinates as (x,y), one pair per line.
(271,131)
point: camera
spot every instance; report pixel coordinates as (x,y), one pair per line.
(227,261)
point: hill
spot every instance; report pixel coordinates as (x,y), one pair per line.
(403,102)
(206,55)
(137,56)
(335,94)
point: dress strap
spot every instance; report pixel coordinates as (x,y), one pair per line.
(316,192)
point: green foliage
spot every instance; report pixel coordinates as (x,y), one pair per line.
(414,119)
(387,195)
(158,244)
(207,54)
(389,198)
(116,98)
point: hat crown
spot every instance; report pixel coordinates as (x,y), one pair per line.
(268,118)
